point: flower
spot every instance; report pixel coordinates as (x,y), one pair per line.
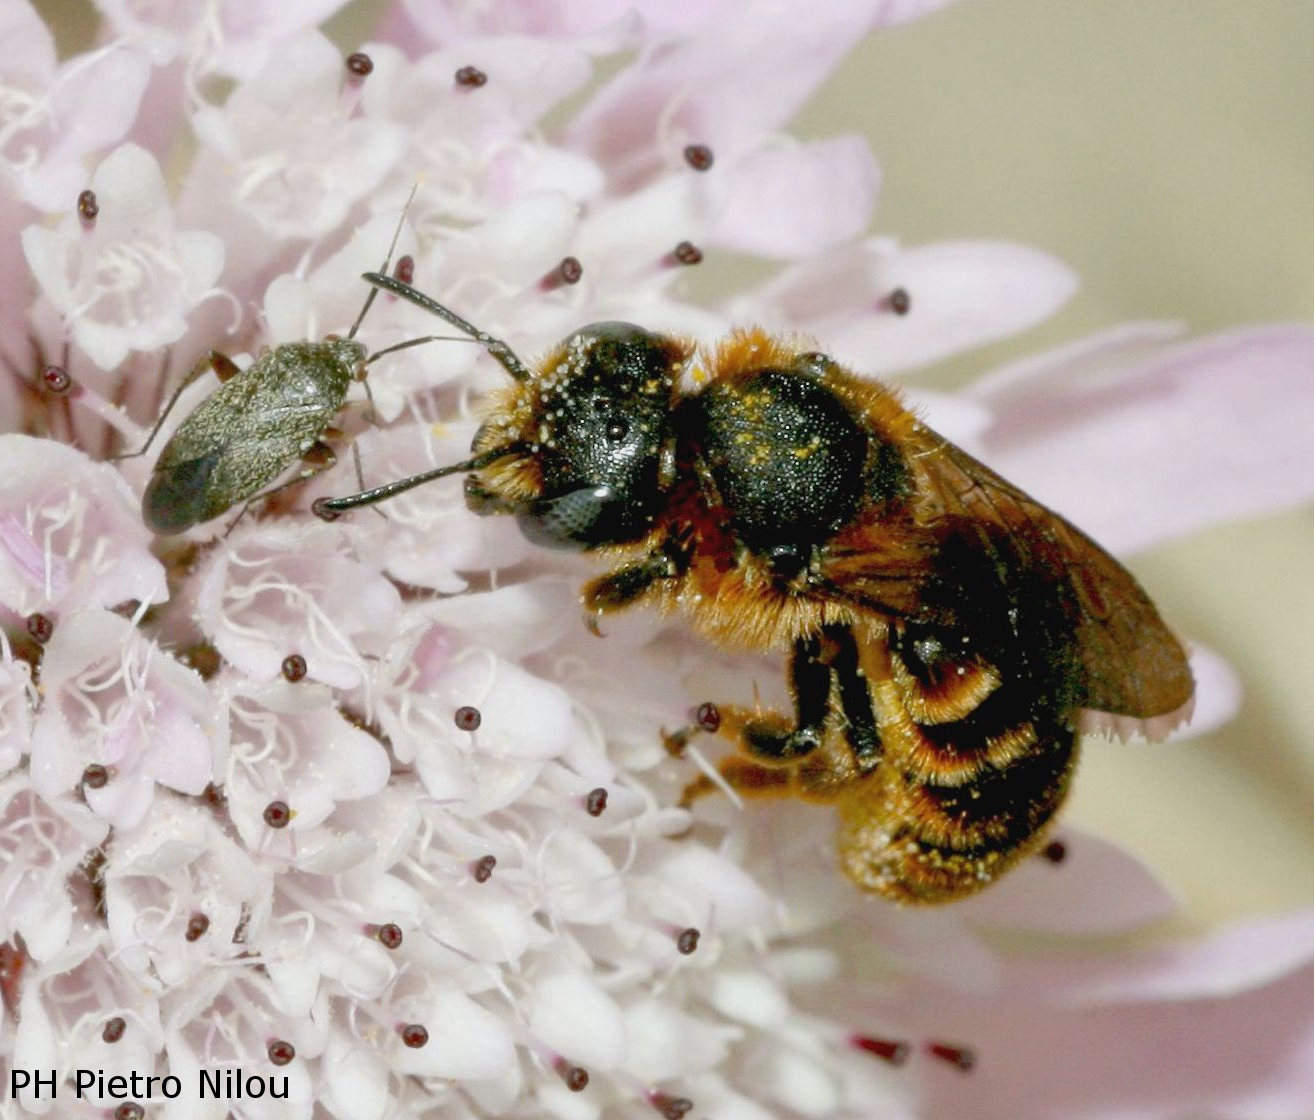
(363,804)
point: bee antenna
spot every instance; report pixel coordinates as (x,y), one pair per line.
(387,258)
(330,508)
(498,349)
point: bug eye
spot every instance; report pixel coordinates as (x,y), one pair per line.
(617,430)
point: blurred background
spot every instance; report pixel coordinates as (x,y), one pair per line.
(1164,150)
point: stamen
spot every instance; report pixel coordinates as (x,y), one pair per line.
(669,1107)
(687,252)
(96,776)
(56,379)
(130,1111)
(1054,852)
(88,207)
(113,1030)
(197,925)
(413,1035)
(281,1052)
(687,941)
(294,667)
(360,64)
(40,628)
(898,301)
(568,271)
(404,270)
(576,1077)
(483,868)
(960,1056)
(596,801)
(388,935)
(888,1050)
(708,717)
(467,718)
(699,156)
(277,814)
(471,77)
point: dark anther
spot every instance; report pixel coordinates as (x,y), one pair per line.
(56,379)
(960,1056)
(886,1049)
(1055,852)
(413,1035)
(687,941)
(898,301)
(467,718)
(472,77)
(669,1107)
(389,935)
(40,627)
(575,1077)
(281,1052)
(96,776)
(215,796)
(130,1111)
(708,717)
(277,814)
(596,801)
(359,64)
(113,1030)
(483,868)
(322,511)
(294,667)
(699,156)
(197,925)
(570,270)
(405,269)
(686,252)
(88,207)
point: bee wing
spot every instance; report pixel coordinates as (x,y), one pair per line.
(1129,664)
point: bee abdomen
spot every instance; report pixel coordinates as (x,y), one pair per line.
(917,841)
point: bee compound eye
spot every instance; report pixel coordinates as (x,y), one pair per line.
(617,431)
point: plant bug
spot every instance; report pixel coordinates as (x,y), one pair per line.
(256,425)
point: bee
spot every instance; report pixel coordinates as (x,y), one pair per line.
(944,632)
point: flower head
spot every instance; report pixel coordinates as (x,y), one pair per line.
(363,804)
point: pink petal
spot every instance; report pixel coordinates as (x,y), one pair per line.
(1201,433)
(713,91)
(1098,889)
(892,12)
(794,201)
(1238,958)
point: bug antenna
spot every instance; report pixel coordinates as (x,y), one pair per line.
(419,342)
(330,508)
(397,232)
(498,349)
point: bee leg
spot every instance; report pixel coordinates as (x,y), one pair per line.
(212,361)
(811,683)
(319,457)
(623,586)
(743,776)
(856,700)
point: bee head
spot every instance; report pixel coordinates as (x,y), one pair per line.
(596,422)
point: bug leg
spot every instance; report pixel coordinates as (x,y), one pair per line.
(221,365)
(856,700)
(318,458)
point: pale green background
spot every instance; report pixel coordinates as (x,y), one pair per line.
(1164,149)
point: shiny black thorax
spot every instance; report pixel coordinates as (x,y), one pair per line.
(784,458)
(778,454)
